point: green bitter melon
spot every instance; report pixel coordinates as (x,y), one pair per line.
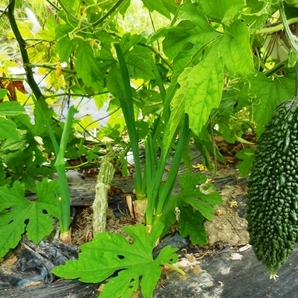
(272,206)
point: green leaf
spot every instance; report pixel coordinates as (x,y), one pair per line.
(161,6)
(2,93)
(177,110)
(11,108)
(16,211)
(247,157)
(139,62)
(191,34)
(129,40)
(65,46)
(149,101)
(108,253)
(8,129)
(191,224)
(199,195)
(235,49)
(87,66)
(269,94)
(204,89)
(223,10)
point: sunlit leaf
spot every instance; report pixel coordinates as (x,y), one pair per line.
(87,67)
(204,89)
(223,10)
(235,49)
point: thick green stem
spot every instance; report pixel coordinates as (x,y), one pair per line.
(64,200)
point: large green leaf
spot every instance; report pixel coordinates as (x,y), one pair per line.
(108,253)
(191,34)
(164,7)
(268,93)
(11,108)
(235,49)
(16,211)
(87,66)
(8,129)
(204,89)
(222,10)
(139,62)
(65,46)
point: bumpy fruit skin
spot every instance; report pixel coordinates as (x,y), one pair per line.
(272,206)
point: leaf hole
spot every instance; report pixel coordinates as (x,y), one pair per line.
(120,257)
(44,211)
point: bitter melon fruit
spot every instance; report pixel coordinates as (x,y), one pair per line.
(272,205)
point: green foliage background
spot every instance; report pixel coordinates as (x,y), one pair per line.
(218,67)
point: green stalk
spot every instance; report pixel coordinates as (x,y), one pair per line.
(169,185)
(64,200)
(127,107)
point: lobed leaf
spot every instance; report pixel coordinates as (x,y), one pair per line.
(87,66)
(235,49)
(16,211)
(109,253)
(223,10)
(269,93)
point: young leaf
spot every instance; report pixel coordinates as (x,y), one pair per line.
(16,211)
(109,253)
